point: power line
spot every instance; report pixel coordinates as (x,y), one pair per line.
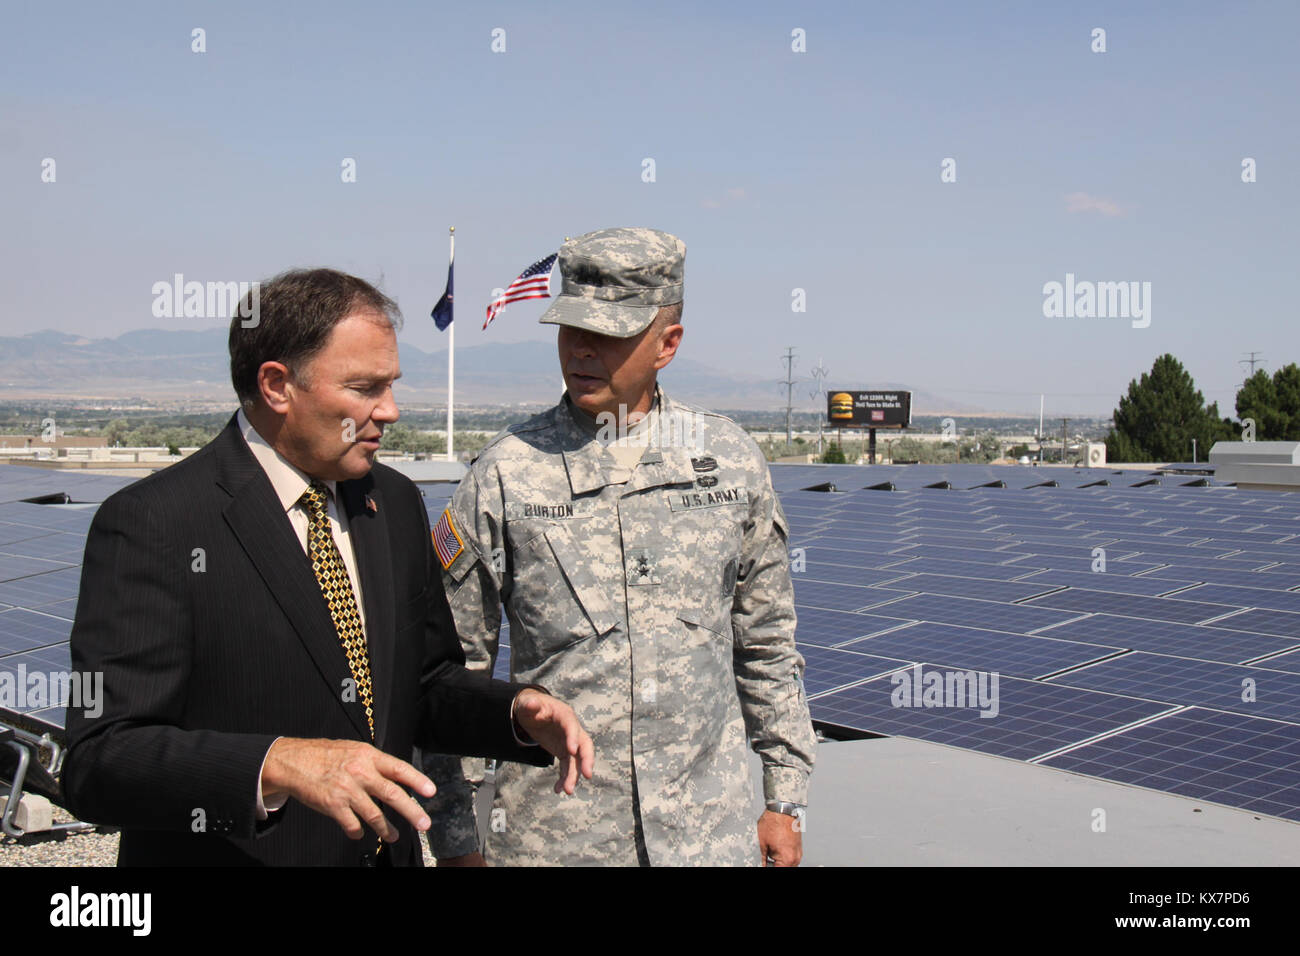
(789,384)
(1252,362)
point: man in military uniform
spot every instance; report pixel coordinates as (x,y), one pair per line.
(640,554)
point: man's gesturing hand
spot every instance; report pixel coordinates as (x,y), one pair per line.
(554,725)
(339,778)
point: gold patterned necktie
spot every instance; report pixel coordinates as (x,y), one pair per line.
(336,586)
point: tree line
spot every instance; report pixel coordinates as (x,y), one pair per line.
(1163,412)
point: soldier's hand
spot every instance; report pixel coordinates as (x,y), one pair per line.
(779,841)
(554,725)
(339,778)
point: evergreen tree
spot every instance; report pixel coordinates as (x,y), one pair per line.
(834,454)
(1272,403)
(1161,414)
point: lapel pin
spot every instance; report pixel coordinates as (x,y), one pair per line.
(370,505)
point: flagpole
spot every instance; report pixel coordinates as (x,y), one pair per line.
(451,360)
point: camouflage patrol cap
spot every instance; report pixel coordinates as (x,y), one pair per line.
(613,281)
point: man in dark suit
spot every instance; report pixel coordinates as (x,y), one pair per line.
(269,618)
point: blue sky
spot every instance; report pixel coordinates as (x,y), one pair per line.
(780,170)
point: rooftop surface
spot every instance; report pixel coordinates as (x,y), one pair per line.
(1119,627)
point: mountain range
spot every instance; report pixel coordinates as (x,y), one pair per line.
(166,364)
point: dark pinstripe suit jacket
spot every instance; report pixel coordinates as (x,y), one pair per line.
(200,608)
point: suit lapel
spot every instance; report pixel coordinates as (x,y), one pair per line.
(257,519)
(368,528)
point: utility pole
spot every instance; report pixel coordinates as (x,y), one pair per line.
(789,383)
(1252,362)
(818,395)
(1040,428)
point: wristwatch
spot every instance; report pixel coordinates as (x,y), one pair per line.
(796,810)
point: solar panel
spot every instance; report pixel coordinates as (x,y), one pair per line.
(1172,551)
(1246,762)
(1057,563)
(1246,597)
(42,589)
(1262,621)
(1283,662)
(46,518)
(29,695)
(963,569)
(1131,605)
(980,542)
(838,597)
(828,628)
(1105,581)
(821,554)
(61,546)
(1191,562)
(1170,637)
(843,597)
(1254,579)
(1257,691)
(66,609)
(941,609)
(12,534)
(502,669)
(22,631)
(976,555)
(1006,591)
(816,570)
(872,544)
(828,668)
(1065,551)
(1032,718)
(953,645)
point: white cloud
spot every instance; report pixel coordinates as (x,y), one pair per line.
(1082,202)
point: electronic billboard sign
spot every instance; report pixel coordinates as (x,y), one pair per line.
(875,408)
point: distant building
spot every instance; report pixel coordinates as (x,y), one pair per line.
(36,442)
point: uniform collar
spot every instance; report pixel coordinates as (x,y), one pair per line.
(590,466)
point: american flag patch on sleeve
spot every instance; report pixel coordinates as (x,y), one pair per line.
(446,540)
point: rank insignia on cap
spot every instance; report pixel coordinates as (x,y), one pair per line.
(704,464)
(446,540)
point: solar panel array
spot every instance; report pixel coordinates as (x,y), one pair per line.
(1128,626)
(1147,634)
(40,557)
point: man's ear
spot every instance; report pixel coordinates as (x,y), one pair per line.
(669,339)
(274,385)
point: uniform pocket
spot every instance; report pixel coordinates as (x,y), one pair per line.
(715,620)
(556,597)
(587,591)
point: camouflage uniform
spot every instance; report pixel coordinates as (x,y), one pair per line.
(646,581)
(660,608)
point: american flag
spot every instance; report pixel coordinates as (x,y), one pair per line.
(446,541)
(533,283)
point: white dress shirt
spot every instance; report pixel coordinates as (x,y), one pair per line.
(289,483)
